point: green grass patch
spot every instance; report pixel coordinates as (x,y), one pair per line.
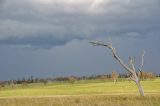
(81,88)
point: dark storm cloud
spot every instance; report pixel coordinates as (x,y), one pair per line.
(50,23)
(34,42)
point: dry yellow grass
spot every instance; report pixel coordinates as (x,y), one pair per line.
(99,100)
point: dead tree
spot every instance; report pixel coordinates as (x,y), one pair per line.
(131,70)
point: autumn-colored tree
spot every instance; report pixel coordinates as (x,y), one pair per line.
(72,79)
(147,75)
(114,76)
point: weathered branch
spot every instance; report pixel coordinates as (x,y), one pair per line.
(142,64)
(131,62)
(115,55)
(95,43)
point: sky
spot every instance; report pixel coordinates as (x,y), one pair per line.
(49,38)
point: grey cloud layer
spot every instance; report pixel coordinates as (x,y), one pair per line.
(43,23)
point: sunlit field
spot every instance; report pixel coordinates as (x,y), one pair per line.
(82,93)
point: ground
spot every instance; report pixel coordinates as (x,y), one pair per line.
(82,93)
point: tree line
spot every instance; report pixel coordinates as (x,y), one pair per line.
(72,79)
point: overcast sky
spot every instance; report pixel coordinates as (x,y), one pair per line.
(49,38)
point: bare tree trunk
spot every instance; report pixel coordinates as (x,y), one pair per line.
(139,87)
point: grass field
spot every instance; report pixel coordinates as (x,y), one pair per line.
(82,93)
